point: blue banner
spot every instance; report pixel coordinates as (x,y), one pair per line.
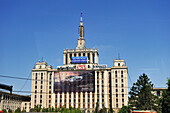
(79,59)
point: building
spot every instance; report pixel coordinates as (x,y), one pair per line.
(81,82)
(158,91)
(12,101)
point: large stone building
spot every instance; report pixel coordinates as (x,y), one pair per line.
(81,82)
(13,101)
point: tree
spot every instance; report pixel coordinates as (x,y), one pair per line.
(97,108)
(4,110)
(18,110)
(111,110)
(45,110)
(141,97)
(166,99)
(125,109)
(103,110)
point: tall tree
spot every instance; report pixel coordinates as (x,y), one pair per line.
(166,99)
(125,109)
(141,97)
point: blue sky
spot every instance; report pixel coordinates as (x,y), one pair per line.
(137,29)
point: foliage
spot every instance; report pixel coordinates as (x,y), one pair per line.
(110,110)
(125,109)
(37,108)
(141,97)
(166,99)
(18,110)
(45,110)
(97,108)
(10,111)
(23,110)
(4,110)
(62,110)
(103,110)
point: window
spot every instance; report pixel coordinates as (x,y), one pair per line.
(122,80)
(122,85)
(116,85)
(35,75)
(116,90)
(50,82)
(49,87)
(117,105)
(97,75)
(40,96)
(116,100)
(121,73)
(50,76)
(122,95)
(122,100)
(158,93)
(116,80)
(40,101)
(35,82)
(122,90)
(116,95)
(35,96)
(41,75)
(35,87)
(83,54)
(118,64)
(41,87)
(115,73)
(41,82)
(49,96)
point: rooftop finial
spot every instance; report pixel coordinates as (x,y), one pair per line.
(81,20)
(81,17)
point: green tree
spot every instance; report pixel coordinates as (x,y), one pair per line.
(141,96)
(18,110)
(45,110)
(4,110)
(23,110)
(125,109)
(10,111)
(166,99)
(103,110)
(97,108)
(110,110)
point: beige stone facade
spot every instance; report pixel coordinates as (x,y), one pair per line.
(111,83)
(12,101)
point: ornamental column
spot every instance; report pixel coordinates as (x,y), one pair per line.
(91,57)
(64,59)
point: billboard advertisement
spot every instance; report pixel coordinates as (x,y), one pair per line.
(74,81)
(79,59)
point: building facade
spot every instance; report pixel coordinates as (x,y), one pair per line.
(12,101)
(59,87)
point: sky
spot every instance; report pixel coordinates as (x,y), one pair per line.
(138,30)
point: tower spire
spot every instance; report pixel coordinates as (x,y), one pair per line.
(81,20)
(81,40)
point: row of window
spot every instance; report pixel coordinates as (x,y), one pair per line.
(50,76)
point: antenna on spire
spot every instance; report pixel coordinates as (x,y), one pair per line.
(81,20)
(81,17)
(118,56)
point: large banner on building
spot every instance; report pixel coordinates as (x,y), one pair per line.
(74,81)
(79,59)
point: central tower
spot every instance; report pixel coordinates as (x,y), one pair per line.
(81,40)
(81,52)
